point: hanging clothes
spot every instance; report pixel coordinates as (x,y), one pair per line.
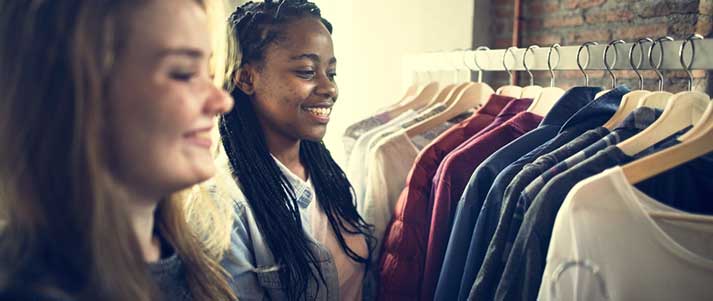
(450,179)
(643,258)
(593,114)
(525,264)
(471,201)
(419,179)
(388,163)
(517,198)
(356,169)
(359,128)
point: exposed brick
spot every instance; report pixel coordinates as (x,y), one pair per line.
(532,25)
(683,74)
(503,43)
(504,11)
(682,25)
(564,21)
(543,39)
(604,16)
(590,3)
(648,9)
(635,32)
(503,25)
(540,8)
(579,37)
(684,7)
(705,7)
(705,26)
(572,4)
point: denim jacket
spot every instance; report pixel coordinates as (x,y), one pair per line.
(251,264)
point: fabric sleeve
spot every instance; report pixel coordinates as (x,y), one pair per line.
(240,260)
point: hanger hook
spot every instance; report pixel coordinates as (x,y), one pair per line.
(657,66)
(637,66)
(475,60)
(510,49)
(549,62)
(616,56)
(687,67)
(524,62)
(579,64)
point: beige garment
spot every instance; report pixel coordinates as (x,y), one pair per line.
(606,246)
(389,164)
(350,272)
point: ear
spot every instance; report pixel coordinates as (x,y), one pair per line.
(245,78)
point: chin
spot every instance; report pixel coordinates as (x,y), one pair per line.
(315,136)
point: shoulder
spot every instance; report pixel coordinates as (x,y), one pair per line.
(27,293)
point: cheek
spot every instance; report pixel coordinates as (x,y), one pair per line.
(149,124)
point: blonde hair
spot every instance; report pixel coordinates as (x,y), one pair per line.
(66,234)
(209,205)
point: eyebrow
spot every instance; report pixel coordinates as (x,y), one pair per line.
(312,57)
(190,52)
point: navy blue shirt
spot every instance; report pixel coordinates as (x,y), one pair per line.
(481,286)
(471,201)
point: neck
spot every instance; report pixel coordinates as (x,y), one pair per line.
(141,218)
(288,152)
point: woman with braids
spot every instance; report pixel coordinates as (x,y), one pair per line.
(106,110)
(297,235)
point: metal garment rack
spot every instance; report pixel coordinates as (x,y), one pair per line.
(696,54)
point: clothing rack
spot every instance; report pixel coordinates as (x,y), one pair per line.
(620,55)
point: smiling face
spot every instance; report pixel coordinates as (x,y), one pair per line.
(293,88)
(163,102)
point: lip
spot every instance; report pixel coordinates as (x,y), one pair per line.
(199,137)
(317,118)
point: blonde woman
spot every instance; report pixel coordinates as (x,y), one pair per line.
(106,114)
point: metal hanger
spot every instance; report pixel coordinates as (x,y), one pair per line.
(509,89)
(609,67)
(549,95)
(630,101)
(682,110)
(532,91)
(695,143)
(579,64)
(657,99)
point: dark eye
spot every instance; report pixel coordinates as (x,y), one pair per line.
(183,76)
(306,74)
(332,75)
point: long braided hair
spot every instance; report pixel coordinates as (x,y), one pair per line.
(255,26)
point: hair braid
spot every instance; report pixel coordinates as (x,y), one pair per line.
(255,26)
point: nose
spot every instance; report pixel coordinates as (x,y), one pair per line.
(219,101)
(326,87)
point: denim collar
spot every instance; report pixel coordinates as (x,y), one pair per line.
(303,189)
(599,109)
(572,101)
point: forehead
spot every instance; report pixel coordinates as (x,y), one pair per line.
(305,35)
(170,23)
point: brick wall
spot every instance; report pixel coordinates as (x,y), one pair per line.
(573,22)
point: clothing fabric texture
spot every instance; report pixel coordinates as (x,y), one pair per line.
(250,262)
(452,175)
(593,114)
(546,166)
(418,184)
(662,259)
(356,170)
(522,274)
(170,276)
(398,277)
(357,129)
(481,180)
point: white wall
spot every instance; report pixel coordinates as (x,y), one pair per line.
(372,36)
